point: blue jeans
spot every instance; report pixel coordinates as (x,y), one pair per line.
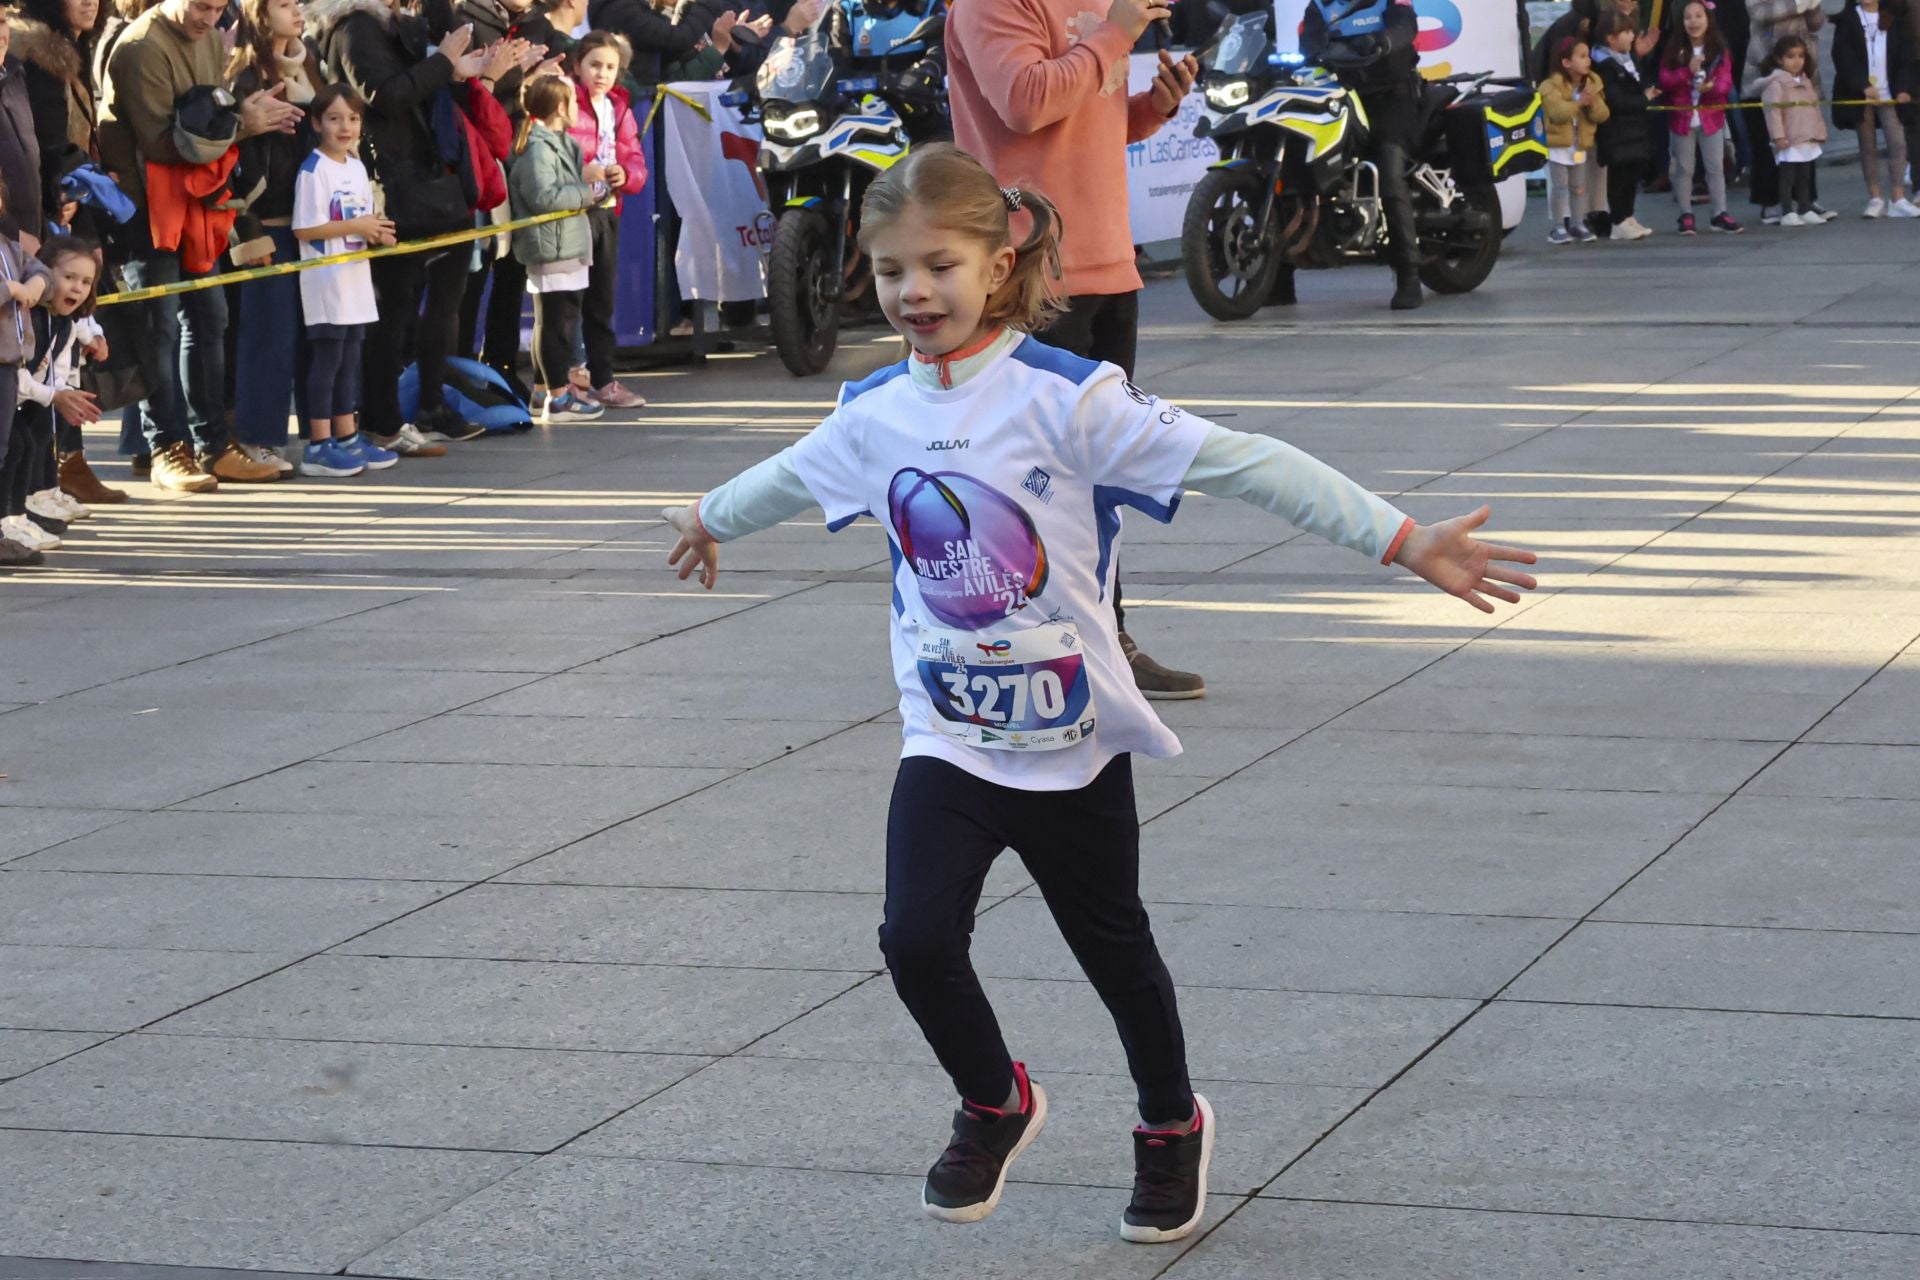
(183,359)
(270,352)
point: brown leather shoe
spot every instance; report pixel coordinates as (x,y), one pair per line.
(78,481)
(234,466)
(1158,683)
(174,468)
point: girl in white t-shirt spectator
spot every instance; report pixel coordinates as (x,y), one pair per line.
(333,213)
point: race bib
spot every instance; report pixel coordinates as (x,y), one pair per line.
(1024,692)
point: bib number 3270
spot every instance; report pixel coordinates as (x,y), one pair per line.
(1027,692)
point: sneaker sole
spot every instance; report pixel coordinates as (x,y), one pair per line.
(382,466)
(1173,695)
(977,1212)
(206,485)
(1156,1235)
(336,473)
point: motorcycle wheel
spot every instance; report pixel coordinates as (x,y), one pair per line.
(803,297)
(1231,264)
(1462,262)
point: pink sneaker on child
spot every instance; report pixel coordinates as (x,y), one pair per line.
(615,396)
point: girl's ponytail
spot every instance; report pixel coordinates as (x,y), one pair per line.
(540,98)
(1031,297)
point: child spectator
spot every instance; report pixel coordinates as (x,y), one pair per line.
(39,511)
(1622,139)
(333,213)
(1697,74)
(605,128)
(1796,126)
(548,176)
(1575,105)
(1873,59)
(26,283)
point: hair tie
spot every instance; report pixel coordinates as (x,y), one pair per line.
(1012,196)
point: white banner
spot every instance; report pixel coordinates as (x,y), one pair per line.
(1162,170)
(713,173)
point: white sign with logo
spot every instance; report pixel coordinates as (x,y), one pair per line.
(713,171)
(1455,36)
(1162,170)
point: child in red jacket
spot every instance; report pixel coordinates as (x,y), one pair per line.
(608,134)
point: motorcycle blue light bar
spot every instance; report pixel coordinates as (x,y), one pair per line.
(860,84)
(1288,59)
(736,98)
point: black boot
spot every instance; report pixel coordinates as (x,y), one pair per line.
(1282,294)
(1407,293)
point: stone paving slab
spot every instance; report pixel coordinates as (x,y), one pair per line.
(1791,863)
(298,684)
(606,925)
(1409,847)
(1782,970)
(32,829)
(495,739)
(337,1094)
(202,913)
(1264,1037)
(855,696)
(1286,949)
(266,1205)
(514,1004)
(591,1218)
(1308,1241)
(116,989)
(445,847)
(1862,772)
(768,1111)
(24,1051)
(57,1269)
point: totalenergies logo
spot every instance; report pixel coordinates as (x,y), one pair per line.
(1439,24)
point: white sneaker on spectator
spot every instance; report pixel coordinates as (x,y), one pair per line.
(47,503)
(1903,208)
(1876,208)
(270,457)
(1814,218)
(65,505)
(1795,220)
(28,534)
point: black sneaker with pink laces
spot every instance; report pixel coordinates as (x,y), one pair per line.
(965,1183)
(1169,1180)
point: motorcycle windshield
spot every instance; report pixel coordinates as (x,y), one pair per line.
(1241,46)
(798,70)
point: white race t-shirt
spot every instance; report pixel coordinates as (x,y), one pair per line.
(333,191)
(1002,501)
(1876,52)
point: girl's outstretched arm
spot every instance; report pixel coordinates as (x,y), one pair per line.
(758,498)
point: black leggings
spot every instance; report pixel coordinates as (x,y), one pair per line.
(410,329)
(597,306)
(1083,848)
(333,370)
(556,322)
(1623,188)
(29,457)
(1796,186)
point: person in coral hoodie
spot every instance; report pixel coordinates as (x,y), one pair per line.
(1039,89)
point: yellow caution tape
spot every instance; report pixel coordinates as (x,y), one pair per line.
(1772,106)
(660,96)
(466,236)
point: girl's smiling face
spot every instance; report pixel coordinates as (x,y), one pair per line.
(599,71)
(72,283)
(933,282)
(82,14)
(340,127)
(1695,21)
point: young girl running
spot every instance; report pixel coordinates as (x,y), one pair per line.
(548,177)
(1575,104)
(1000,466)
(1795,126)
(1697,75)
(606,130)
(333,213)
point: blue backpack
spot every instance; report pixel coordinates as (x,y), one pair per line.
(478,393)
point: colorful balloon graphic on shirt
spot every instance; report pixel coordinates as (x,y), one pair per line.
(974,550)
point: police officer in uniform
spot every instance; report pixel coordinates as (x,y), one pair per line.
(1369,44)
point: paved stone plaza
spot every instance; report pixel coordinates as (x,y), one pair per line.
(406,877)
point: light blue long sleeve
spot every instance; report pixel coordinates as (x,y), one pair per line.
(1269,474)
(758,498)
(1299,488)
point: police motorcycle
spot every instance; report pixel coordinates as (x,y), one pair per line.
(838,105)
(1295,185)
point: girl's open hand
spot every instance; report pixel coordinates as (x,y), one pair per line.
(1452,559)
(696,549)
